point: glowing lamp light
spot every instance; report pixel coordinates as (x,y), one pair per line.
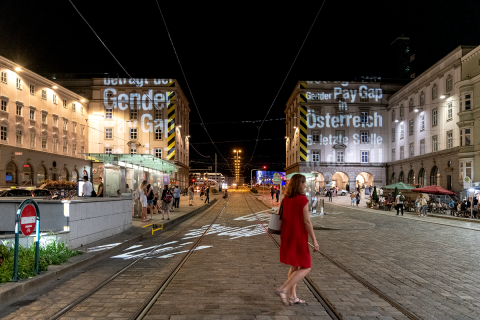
(396,120)
(55,87)
(18,69)
(416,110)
(83,100)
(443,96)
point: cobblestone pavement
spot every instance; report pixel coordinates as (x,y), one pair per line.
(431,269)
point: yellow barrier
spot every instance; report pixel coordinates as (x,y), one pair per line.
(154,225)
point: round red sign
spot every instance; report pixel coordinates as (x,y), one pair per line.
(28,219)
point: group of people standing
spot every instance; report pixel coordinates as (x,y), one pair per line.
(355,198)
(204,190)
(275,191)
(166,202)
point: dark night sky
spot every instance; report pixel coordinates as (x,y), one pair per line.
(235,55)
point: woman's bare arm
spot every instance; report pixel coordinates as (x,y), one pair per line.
(309,226)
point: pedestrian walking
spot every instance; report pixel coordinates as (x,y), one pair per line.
(330,195)
(272,191)
(142,190)
(358,199)
(202,191)
(150,197)
(167,201)
(418,205)
(207,195)
(352,199)
(100,188)
(424,206)
(176,194)
(190,194)
(87,187)
(294,248)
(277,194)
(399,202)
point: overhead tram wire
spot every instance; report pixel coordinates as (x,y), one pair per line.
(188,85)
(285,79)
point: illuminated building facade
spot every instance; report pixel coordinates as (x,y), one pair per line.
(136,116)
(339,131)
(431,124)
(42,129)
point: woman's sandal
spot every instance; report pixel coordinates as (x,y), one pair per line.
(296,301)
(284,299)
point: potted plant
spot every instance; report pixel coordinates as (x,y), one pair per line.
(369,204)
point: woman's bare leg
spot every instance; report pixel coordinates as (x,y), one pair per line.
(151,211)
(293,291)
(293,279)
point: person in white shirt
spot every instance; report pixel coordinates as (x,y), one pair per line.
(87,187)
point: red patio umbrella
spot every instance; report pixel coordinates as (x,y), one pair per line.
(433,190)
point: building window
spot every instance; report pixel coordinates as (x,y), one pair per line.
(32,89)
(65,124)
(108,151)
(422,147)
(74,149)
(364,156)
(340,134)
(133,133)
(32,114)
(364,116)
(422,98)
(158,153)
(65,146)
(316,156)
(4,77)
(4,105)
(468,102)
(55,121)
(393,135)
(410,105)
(402,153)
(109,113)
(449,182)
(82,130)
(133,114)
(461,137)
(412,150)
(449,139)
(64,103)
(3,133)
(364,137)
(133,150)
(55,144)
(44,94)
(32,139)
(108,133)
(402,132)
(44,142)
(422,122)
(468,169)
(74,107)
(402,112)
(158,134)
(468,136)
(340,156)
(315,136)
(19,83)
(434,117)
(81,111)
(19,110)
(18,137)
(434,92)
(55,99)
(449,84)
(44,118)
(435,143)
(393,154)
(393,115)
(82,149)
(74,127)
(449,111)
(158,114)
(410,127)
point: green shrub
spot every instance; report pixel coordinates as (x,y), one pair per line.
(213,190)
(253,190)
(53,252)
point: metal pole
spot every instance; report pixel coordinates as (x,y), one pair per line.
(37,244)
(15,256)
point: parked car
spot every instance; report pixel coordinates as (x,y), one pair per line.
(16,193)
(342,192)
(41,193)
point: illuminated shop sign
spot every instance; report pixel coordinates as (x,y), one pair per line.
(139,82)
(348,95)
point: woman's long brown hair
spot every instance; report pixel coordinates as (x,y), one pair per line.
(294,185)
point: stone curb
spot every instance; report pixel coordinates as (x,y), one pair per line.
(27,286)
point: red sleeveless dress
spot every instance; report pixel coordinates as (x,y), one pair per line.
(294,249)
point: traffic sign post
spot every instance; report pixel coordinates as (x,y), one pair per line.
(27,220)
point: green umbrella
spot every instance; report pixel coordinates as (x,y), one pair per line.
(395,194)
(374,195)
(399,186)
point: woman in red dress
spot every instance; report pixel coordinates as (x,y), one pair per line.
(294,248)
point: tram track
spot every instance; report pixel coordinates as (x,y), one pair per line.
(150,300)
(329,307)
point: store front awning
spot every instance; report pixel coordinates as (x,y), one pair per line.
(135,161)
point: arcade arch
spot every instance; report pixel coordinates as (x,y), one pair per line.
(434,176)
(393,179)
(11,173)
(319,182)
(401,177)
(27,174)
(422,178)
(340,180)
(411,177)
(365,179)
(41,174)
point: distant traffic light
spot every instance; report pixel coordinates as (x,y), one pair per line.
(264,167)
(193,180)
